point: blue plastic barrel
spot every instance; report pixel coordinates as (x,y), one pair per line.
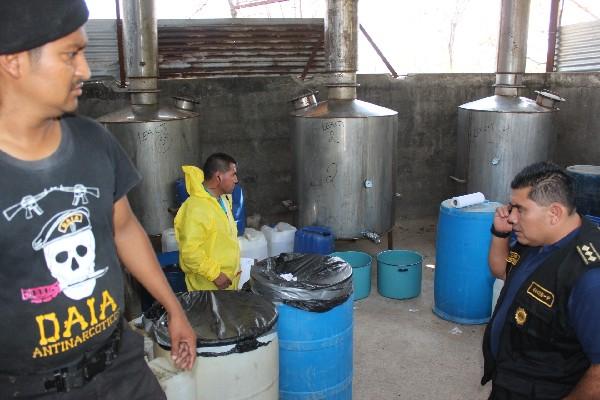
(586,179)
(361,271)
(399,273)
(239,209)
(315,353)
(314,240)
(181,193)
(169,263)
(463,283)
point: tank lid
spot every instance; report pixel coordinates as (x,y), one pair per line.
(305,100)
(185,103)
(219,317)
(546,98)
(506,104)
(344,109)
(136,114)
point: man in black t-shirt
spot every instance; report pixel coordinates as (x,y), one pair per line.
(66,224)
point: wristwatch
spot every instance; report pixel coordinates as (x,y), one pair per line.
(501,235)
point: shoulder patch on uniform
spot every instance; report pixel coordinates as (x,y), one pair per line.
(541,294)
(588,253)
(513,258)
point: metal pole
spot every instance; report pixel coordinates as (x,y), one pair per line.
(141,47)
(552,30)
(121,51)
(512,46)
(341,48)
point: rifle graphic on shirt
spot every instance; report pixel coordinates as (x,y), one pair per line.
(29,203)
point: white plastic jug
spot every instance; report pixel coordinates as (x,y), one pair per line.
(168,241)
(498,285)
(253,244)
(280,239)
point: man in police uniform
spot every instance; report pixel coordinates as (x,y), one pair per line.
(66,225)
(543,341)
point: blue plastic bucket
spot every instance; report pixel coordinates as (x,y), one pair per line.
(314,240)
(399,273)
(586,183)
(463,283)
(361,271)
(315,353)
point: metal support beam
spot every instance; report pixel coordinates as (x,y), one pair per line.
(552,30)
(379,53)
(312,56)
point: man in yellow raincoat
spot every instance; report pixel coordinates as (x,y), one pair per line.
(209,251)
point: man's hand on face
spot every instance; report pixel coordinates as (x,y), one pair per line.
(501,223)
(222,281)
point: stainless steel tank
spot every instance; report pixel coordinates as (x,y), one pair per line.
(344,162)
(501,134)
(159,142)
(497,137)
(344,148)
(158,138)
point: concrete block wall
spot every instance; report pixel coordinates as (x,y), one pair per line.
(249,118)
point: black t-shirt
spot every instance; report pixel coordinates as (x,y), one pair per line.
(62,291)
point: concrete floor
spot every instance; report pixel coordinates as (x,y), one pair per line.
(401,349)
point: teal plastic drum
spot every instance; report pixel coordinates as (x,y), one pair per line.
(361,271)
(399,273)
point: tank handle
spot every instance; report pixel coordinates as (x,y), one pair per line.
(402,269)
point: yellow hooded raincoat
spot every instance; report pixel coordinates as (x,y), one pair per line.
(206,235)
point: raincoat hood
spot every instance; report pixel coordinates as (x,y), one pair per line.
(194,178)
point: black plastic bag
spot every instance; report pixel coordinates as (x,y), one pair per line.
(309,282)
(219,318)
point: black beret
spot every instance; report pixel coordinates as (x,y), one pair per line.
(27,24)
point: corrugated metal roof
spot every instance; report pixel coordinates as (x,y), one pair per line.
(219,47)
(578,47)
(101,51)
(246,46)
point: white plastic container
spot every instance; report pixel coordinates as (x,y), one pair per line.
(245,267)
(177,384)
(253,244)
(498,285)
(168,241)
(252,375)
(280,239)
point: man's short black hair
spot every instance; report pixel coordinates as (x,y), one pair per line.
(549,183)
(217,162)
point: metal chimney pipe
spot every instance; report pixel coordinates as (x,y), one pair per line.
(141,51)
(512,46)
(341,48)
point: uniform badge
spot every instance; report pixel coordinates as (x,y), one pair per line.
(588,253)
(520,316)
(513,258)
(541,294)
